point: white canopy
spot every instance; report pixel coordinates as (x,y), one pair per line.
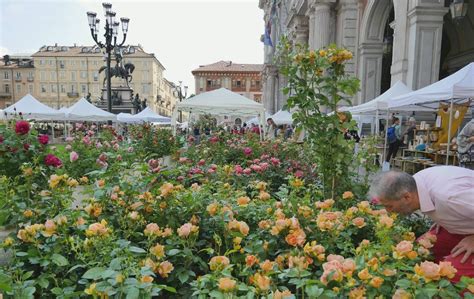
(2,114)
(282,117)
(256,121)
(222,102)
(82,110)
(459,85)
(148,115)
(33,109)
(380,103)
(127,118)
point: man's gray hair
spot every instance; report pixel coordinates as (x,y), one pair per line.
(392,185)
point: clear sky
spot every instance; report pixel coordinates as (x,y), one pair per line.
(183,34)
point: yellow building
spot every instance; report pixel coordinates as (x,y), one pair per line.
(65,74)
(17,76)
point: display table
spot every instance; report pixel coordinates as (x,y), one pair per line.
(414,160)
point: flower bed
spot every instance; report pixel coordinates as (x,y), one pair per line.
(235,218)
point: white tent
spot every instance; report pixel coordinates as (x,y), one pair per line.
(282,117)
(256,120)
(220,102)
(64,110)
(31,108)
(459,85)
(82,110)
(148,115)
(2,114)
(127,118)
(380,103)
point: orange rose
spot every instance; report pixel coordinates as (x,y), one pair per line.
(357,293)
(158,250)
(219,262)
(251,260)
(296,237)
(402,249)
(446,269)
(262,282)
(348,195)
(226,284)
(359,222)
(386,221)
(364,274)
(243,201)
(376,282)
(165,269)
(146,279)
(401,294)
(282,295)
(212,209)
(266,266)
(428,270)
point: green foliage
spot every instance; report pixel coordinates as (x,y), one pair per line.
(317,83)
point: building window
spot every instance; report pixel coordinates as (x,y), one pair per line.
(61,64)
(257,83)
(145,88)
(73,88)
(53,88)
(5,75)
(43,88)
(83,88)
(83,63)
(30,88)
(96,62)
(53,76)
(62,75)
(43,76)
(83,74)
(145,76)
(73,76)
(7,88)
(96,76)
(30,76)
(51,62)
(18,75)
(18,88)
(63,88)
(41,61)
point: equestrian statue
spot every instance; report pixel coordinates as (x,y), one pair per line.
(119,70)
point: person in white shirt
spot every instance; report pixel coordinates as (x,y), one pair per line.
(446,195)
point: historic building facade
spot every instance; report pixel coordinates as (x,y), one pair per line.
(60,75)
(413,41)
(65,74)
(244,79)
(17,78)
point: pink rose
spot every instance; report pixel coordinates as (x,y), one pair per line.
(73,156)
(43,139)
(247,151)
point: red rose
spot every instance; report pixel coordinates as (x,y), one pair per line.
(26,146)
(43,139)
(22,127)
(1,139)
(52,160)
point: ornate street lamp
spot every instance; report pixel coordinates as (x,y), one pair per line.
(178,93)
(111,34)
(458,9)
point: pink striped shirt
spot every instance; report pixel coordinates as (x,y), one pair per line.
(446,195)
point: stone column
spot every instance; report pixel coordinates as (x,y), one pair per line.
(399,67)
(424,43)
(299,30)
(370,72)
(321,23)
(269,88)
(346,29)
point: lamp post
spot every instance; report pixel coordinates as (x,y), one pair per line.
(178,92)
(111,33)
(458,10)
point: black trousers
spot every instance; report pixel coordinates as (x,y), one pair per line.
(392,150)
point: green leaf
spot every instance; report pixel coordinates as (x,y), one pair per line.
(137,249)
(173,252)
(93,273)
(314,291)
(403,283)
(59,260)
(75,267)
(57,291)
(183,277)
(132,293)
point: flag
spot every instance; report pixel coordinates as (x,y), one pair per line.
(267,39)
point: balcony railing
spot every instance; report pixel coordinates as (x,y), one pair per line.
(73,94)
(17,79)
(30,79)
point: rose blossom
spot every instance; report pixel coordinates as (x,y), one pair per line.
(247,151)
(73,156)
(43,139)
(22,127)
(52,160)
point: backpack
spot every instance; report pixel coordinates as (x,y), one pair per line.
(391,136)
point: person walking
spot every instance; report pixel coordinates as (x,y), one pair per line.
(444,194)
(394,139)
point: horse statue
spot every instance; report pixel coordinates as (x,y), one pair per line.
(119,71)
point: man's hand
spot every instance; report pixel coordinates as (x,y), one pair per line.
(466,245)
